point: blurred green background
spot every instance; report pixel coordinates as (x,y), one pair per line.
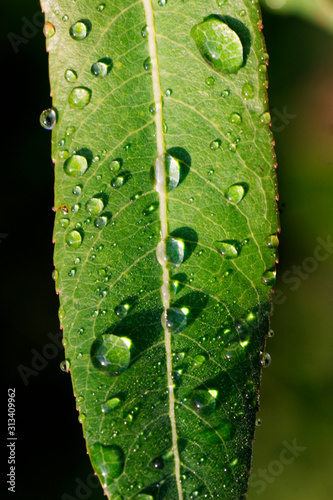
(296,395)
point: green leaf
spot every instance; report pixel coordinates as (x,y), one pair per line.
(165,242)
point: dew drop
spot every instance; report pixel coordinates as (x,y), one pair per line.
(232,146)
(64,223)
(236,193)
(100,222)
(147,65)
(269,277)
(145,31)
(165,166)
(65,366)
(101,7)
(162,3)
(174,319)
(265,360)
(74,239)
(78,31)
(79,97)
(265,118)
(168,92)
(248,91)
(204,402)
(170,252)
(210,81)
(48,30)
(151,208)
(144,496)
(102,67)
(118,181)
(111,354)
(272,241)
(108,461)
(235,118)
(216,144)
(230,249)
(95,206)
(70,75)
(47,119)
(77,190)
(199,360)
(121,310)
(225,93)
(110,405)
(218,44)
(75,165)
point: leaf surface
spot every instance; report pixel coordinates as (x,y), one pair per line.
(165,240)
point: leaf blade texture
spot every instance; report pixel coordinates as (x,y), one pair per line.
(165,241)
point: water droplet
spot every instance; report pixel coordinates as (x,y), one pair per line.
(269,277)
(175,320)
(199,360)
(204,402)
(65,366)
(111,354)
(77,190)
(81,418)
(210,81)
(151,208)
(108,461)
(218,44)
(220,3)
(152,109)
(165,166)
(225,93)
(100,222)
(232,147)
(75,165)
(216,144)
(258,422)
(235,118)
(230,249)
(55,275)
(265,118)
(78,31)
(236,193)
(248,91)
(48,30)
(272,241)
(162,3)
(265,360)
(95,206)
(136,196)
(102,67)
(47,119)
(158,463)
(79,97)
(72,272)
(121,310)
(63,155)
(70,75)
(144,496)
(64,223)
(168,92)
(147,64)
(74,239)
(171,252)
(118,181)
(145,31)
(110,405)
(101,7)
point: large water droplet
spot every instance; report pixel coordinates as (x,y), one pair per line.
(79,30)
(265,359)
(165,166)
(79,97)
(269,277)
(47,119)
(95,206)
(236,192)
(74,239)
(218,44)
(230,249)
(204,402)
(108,461)
(175,320)
(75,165)
(102,67)
(111,354)
(121,310)
(110,405)
(170,252)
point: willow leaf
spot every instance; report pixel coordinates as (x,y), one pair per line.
(165,236)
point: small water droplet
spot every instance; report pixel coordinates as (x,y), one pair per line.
(204,402)
(102,67)
(121,310)
(269,277)
(101,7)
(216,144)
(152,109)
(162,3)
(265,118)
(136,196)
(111,354)
(230,249)
(232,146)
(100,222)
(47,119)
(218,44)
(81,418)
(118,181)
(70,130)
(236,192)
(79,31)
(75,165)
(79,97)
(210,81)
(225,93)
(95,206)
(151,208)
(144,496)
(147,65)
(158,463)
(265,359)
(70,75)
(145,31)
(170,167)
(63,154)
(74,239)
(272,241)
(110,405)
(258,422)
(48,30)
(65,366)
(199,360)
(248,91)
(174,319)
(171,252)
(168,92)
(235,118)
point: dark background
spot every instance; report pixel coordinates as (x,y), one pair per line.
(296,402)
